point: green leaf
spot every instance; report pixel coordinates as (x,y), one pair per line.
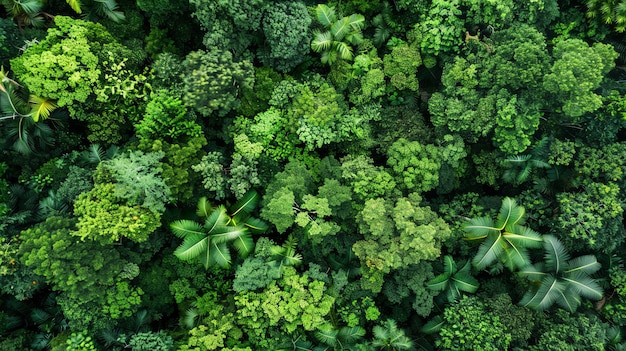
(255,225)
(549,291)
(587,263)
(344,50)
(322,41)
(41,108)
(568,301)
(433,326)
(204,207)
(75,5)
(185,227)
(217,218)
(327,336)
(465,282)
(479,228)
(244,244)
(224,234)
(584,285)
(449,266)
(219,254)
(192,247)
(340,28)
(555,254)
(510,214)
(439,283)
(325,15)
(246,204)
(488,252)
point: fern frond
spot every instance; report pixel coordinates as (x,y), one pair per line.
(322,41)
(184,227)
(325,14)
(41,108)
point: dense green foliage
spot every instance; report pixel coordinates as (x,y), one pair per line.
(239,175)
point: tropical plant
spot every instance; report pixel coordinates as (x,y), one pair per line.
(561,279)
(209,241)
(389,337)
(608,11)
(340,339)
(453,280)
(505,240)
(334,43)
(285,255)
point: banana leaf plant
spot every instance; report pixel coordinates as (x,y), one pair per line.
(561,279)
(454,280)
(505,240)
(210,241)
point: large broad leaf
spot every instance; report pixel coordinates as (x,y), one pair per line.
(246,204)
(218,218)
(351,335)
(356,21)
(568,300)
(523,237)
(204,207)
(341,28)
(510,215)
(532,273)
(327,336)
(344,50)
(479,228)
(224,234)
(433,326)
(584,285)
(192,247)
(244,244)
(514,256)
(465,282)
(549,291)
(555,254)
(255,225)
(325,15)
(439,283)
(218,253)
(322,41)
(185,227)
(587,264)
(489,251)
(449,266)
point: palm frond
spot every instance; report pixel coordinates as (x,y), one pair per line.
(344,50)
(219,254)
(341,28)
(204,208)
(41,108)
(587,264)
(322,41)
(465,282)
(184,227)
(327,336)
(246,204)
(532,273)
(449,266)
(523,237)
(510,214)
(75,5)
(223,234)
(584,285)
(325,15)
(544,297)
(218,218)
(192,247)
(433,326)
(439,283)
(488,252)
(555,254)
(568,301)
(255,225)
(244,244)
(479,228)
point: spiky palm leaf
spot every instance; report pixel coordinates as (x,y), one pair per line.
(433,326)
(41,108)
(452,281)
(505,239)
(244,206)
(389,337)
(561,280)
(322,41)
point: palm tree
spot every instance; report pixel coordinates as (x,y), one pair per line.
(453,280)
(334,42)
(210,241)
(506,239)
(560,279)
(389,337)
